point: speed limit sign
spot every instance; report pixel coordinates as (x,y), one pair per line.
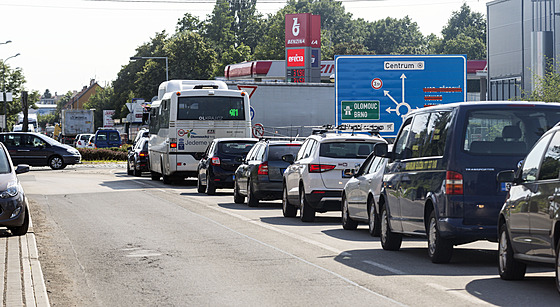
(258,130)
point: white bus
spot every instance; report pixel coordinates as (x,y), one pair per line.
(186,117)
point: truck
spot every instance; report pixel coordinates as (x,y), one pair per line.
(75,122)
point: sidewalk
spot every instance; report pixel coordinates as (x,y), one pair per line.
(21,277)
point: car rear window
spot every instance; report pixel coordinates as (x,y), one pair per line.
(275,152)
(508,132)
(345,149)
(235,148)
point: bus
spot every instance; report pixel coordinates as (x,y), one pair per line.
(186,116)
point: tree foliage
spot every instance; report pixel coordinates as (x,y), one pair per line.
(546,88)
(465,33)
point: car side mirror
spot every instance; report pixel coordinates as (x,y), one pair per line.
(288,158)
(381,150)
(22,168)
(506,176)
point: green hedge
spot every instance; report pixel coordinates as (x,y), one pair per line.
(104,154)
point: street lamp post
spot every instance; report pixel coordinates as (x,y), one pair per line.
(156,58)
(4,98)
(7,42)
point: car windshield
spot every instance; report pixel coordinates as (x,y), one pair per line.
(510,132)
(4,164)
(345,149)
(275,152)
(235,148)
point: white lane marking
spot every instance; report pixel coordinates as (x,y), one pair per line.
(459,293)
(384,267)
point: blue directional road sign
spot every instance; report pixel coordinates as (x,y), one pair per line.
(381,90)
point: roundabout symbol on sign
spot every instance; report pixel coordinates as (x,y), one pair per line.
(376,83)
(258,130)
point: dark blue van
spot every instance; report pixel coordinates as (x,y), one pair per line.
(107,138)
(440,181)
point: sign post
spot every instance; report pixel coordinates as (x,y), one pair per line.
(382,90)
(303,48)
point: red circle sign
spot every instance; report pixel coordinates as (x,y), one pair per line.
(376,83)
(258,130)
(180,132)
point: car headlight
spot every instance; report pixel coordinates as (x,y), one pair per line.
(11,191)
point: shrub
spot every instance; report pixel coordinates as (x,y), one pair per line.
(103,154)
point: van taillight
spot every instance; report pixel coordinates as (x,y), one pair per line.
(263,169)
(319,168)
(453,183)
(215,161)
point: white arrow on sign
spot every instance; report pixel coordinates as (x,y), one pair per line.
(402,78)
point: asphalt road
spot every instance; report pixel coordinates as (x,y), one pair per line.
(108,239)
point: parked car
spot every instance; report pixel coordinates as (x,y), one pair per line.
(138,158)
(529,222)
(82,140)
(219,162)
(323,165)
(107,138)
(15,213)
(361,193)
(259,177)
(440,180)
(91,142)
(39,150)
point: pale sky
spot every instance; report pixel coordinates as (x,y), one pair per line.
(65,43)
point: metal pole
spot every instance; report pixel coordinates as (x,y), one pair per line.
(166,70)
(4,90)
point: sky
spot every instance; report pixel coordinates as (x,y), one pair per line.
(63,44)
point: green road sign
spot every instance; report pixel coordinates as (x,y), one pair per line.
(359,110)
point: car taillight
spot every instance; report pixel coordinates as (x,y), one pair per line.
(453,183)
(263,169)
(143,154)
(215,161)
(319,168)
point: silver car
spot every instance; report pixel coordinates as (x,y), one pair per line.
(360,197)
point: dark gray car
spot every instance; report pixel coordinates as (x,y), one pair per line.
(39,150)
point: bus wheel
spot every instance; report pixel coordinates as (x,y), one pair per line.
(155,176)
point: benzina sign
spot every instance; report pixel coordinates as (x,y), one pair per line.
(303,30)
(296,57)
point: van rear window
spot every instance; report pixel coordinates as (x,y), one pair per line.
(507,132)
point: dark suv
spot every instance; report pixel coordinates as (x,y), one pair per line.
(260,175)
(529,222)
(221,159)
(440,180)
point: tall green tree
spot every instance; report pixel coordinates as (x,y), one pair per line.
(465,33)
(396,36)
(13,81)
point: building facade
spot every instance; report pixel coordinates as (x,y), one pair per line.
(523,37)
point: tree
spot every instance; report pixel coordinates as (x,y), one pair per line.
(191,55)
(396,36)
(350,48)
(465,33)
(12,81)
(545,88)
(103,99)
(188,23)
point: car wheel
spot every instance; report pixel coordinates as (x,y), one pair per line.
(288,210)
(200,188)
(508,267)
(347,222)
(21,230)
(136,171)
(439,249)
(389,240)
(210,185)
(128,170)
(237,198)
(155,176)
(306,212)
(252,200)
(56,162)
(557,268)
(374,224)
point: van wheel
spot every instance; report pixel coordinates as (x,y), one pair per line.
(374,224)
(439,249)
(509,268)
(252,200)
(237,197)
(389,240)
(200,188)
(347,222)
(288,210)
(21,230)
(155,176)
(306,212)
(56,162)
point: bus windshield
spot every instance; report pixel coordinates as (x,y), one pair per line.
(210,108)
